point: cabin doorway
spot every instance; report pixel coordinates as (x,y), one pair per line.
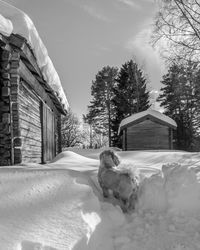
(48,134)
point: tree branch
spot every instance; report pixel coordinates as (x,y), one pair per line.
(191,25)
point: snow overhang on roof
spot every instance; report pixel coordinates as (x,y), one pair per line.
(14,21)
(149,113)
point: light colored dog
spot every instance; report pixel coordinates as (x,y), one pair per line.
(121,181)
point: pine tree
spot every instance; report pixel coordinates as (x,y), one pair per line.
(130,96)
(100,110)
(180,98)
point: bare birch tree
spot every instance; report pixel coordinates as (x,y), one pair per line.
(70,130)
(177,29)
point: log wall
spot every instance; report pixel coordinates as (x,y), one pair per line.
(5,118)
(147,135)
(9,126)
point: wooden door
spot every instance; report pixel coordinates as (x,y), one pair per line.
(48,134)
(28,125)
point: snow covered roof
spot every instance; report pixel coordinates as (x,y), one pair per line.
(147,114)
(13,20)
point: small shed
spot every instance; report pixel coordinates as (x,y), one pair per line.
(147,130)
(30,110)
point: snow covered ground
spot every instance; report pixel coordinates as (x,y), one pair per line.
(59,206)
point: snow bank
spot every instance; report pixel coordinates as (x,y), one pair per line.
(45,208)
(175,190)
(167,215)
(74,161)
(59,206)
(13,20)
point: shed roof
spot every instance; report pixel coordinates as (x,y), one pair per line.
(147,114)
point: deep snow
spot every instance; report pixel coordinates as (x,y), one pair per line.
(59,206)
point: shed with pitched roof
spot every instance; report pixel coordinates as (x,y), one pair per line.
(147,130)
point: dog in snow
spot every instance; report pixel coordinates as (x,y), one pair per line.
(119,181)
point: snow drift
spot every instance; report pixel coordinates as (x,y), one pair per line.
(59,206)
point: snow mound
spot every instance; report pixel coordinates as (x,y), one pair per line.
(91,153)
(150,161)
(74,161)
(175,189)
(72,156)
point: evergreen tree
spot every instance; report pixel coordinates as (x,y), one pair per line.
(100,110)
(130,96)
(180,98)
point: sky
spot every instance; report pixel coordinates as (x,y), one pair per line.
(83,36)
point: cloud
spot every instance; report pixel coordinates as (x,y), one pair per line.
(153,95)
(130,3)
(147,56)
(95,12)
(104,49)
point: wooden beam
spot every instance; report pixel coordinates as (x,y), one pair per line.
(3,41)
(25,51)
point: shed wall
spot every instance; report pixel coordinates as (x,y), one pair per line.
(147,135)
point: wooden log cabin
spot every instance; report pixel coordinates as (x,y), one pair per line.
(30,111)
(147,130)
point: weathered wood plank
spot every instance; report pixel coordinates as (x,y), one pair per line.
(33,119)
(32,154)
(31,148)
(31,158)
(31,112)
(31,151)
(32,143)
(25,90)
(30,133)
(30,129)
